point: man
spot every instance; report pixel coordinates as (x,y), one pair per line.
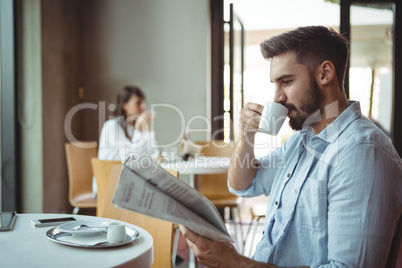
(337,199)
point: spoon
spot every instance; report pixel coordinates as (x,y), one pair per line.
(105,243)
(78,227)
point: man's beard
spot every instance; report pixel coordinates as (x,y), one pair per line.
(310,104)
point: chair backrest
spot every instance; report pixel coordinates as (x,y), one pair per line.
(214,186)
(217,148)
(396,242)
(101,170)
(79,156)
(161,231)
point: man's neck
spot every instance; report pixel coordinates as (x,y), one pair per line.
(329,112)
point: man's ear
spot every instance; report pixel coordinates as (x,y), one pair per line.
(325,73)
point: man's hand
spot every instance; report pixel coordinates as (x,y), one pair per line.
(243,165)
(212,253)
(250,117)
(220,254)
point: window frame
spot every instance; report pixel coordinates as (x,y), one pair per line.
(10,194)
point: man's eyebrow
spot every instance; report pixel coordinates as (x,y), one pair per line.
(283,77)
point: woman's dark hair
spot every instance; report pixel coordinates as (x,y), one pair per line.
(312,46)
(124,96)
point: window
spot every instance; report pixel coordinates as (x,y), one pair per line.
(375,56)
(370,73)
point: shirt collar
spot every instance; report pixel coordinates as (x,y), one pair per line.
(333,130)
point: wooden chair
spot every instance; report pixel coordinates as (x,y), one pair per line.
(79,156)
(214,186)
(161,231)
(101,170)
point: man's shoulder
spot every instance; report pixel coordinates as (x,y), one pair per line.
(364,132)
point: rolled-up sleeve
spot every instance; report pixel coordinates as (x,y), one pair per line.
(268,168)
(363,207)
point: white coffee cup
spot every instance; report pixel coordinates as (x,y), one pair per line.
(189,148)
(116,233)
(272,117)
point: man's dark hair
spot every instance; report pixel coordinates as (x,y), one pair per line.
(312,46)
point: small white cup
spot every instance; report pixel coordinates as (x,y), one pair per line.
(190,148)
(116,233)
(272,117)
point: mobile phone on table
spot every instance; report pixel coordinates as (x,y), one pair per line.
(52,222)
(7,220)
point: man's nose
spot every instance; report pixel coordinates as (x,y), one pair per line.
(279,96)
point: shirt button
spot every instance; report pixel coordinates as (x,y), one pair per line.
(276,203)
(288,175)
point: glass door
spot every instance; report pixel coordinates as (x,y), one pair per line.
(371,69)
(374,28)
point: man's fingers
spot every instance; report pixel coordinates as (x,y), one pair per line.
(249,119)
(248,114)
(194,240)
(192,246)
(251,112)
(189,235)
(182,229)
(255,107)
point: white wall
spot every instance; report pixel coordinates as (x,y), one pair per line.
(160,46)
(102,45)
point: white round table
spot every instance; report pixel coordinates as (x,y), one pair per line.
(28,246)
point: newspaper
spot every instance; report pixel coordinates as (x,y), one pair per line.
(146,188)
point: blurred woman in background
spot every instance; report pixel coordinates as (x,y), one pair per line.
(129,132)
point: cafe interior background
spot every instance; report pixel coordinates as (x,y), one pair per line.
(57,54)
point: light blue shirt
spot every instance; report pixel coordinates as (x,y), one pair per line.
(335,198)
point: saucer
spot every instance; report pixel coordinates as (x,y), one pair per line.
(96,241)
(93,228)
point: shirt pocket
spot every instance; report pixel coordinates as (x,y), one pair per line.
(311,207)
